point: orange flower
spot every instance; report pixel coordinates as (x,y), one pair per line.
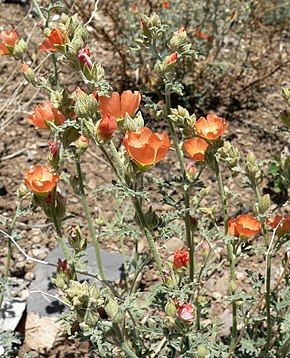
(118,106)
(195,148)
(166,4)
(55,38)
(282,223)
(212,127)
(46,112)
(41,179)
(8,38)
(107,126)
(172,58)
(146,148)
(247,226)
(232,228)
(181,258)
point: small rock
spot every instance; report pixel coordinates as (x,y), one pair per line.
(42,333)
(39,253)
(174,244)
(240,276)
(226,320)
(36,239)
(29,276)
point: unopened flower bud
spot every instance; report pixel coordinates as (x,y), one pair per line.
(251,164)
(133,124)
(76,240)
(19,48)
(22,191)
(106,127)
(190,170)
(193,222)
(64,18)
(28,73)
(204,249)
(178,39)
(82,32)
(53,148)
(84,57)
(264,203)
(233,286)
(201,352)
(205,191)
(170,308)
(169,322)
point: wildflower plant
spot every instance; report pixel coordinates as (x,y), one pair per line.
(111,316)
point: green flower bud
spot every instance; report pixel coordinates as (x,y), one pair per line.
(205,191)
(74,289)
(169,322)
(233,286)
(82,32)
(201,352)
(251,164)
(264,203)
(19,48)
(64,18)
(28,73)
(133,124)
(170,308)
(77,43)
(22,191)
(71,51)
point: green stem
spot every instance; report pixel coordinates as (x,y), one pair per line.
(149,237)
(268,272)
(117,158)
(58,229)
(53,57)
(89,220)
(124,346)
(230,253)
(39,12)
(118,214)
(190,243)
(139,212)
(103,150)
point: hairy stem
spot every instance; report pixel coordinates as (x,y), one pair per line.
(139,212)
(268,271)
(56,224)
(124,346)
(189,241)
(39,12)
(89,220)
(9,248)
(230,253)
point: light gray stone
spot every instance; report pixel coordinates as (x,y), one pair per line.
(10,314)
(45,305)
